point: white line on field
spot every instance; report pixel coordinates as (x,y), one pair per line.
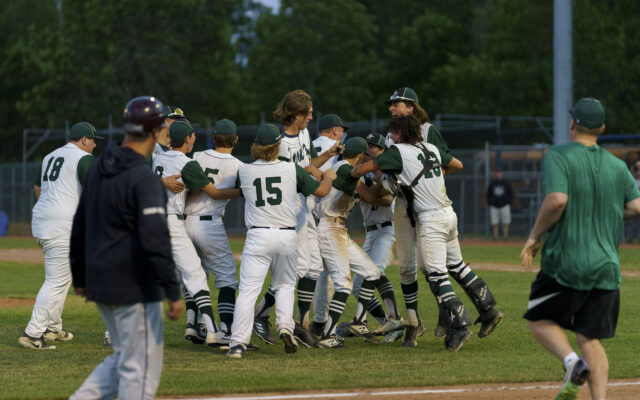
(392,392)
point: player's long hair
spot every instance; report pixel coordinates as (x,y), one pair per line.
(418,111)
(294,103)
(408,127)
(266,153)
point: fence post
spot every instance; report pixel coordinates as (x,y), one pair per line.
(374,127)
(487,168)
(462,205)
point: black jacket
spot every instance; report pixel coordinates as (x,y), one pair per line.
(120,246)
(499,193)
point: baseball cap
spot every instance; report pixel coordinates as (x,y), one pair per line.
(355,145)
(329,121)
(82,129)
(588,112)
(179,130)
(376,139)
(174,113)
(225,126)
(268,134)
(403,93)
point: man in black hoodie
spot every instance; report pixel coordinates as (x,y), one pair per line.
(121,258)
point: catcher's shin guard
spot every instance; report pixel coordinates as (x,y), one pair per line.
(458,316)
(442,327)
(479,293)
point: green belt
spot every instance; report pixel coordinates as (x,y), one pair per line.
(181,217)
(375,227)
(206,218)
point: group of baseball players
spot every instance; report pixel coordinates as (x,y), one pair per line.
(298,195)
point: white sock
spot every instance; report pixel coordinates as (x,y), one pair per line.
(568,360)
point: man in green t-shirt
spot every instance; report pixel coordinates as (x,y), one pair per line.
(588,192)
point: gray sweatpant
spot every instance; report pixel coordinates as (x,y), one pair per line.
(132,372)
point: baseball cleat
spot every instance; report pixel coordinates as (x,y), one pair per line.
(34,343)
(390,325)
(393,337)
(304,336)
(457,338)
(107,342)
(362,331)
(419,329)
(261,327)
(226,339)
(574,377)
(489,319)
(331,342)
(343,331)
(236,351)
(317,329)
(411,337)
(215,339)
(191,334)
(290,345)
(62,335)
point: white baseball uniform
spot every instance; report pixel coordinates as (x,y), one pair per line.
(61,177)
(204,217)
(169,163)
(378,243)
(300,150)
(324,284)
(339,252)
(271,192)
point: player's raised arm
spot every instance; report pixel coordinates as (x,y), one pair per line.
(374,194)
(361,169)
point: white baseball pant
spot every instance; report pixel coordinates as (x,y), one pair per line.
(47,311)
(378,245)
(309,259)
(438,244)
(405,242)
(212,245)
(186,257)
(133,370)
(342,255)
(265,249)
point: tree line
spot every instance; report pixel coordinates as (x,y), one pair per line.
(83,59)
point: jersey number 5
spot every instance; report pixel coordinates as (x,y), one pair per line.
(55,171)
(273,200)
(211,171)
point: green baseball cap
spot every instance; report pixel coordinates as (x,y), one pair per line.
(174,113)
(329,121)
(82,129)
(179,130)
(376,139)
(225,126)
(268,134)
(588,112)
(403,93)
(355,145)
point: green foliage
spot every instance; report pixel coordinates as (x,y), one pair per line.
(75,59)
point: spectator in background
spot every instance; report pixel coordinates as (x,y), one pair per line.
(499,198)
(632,227)
(4,224)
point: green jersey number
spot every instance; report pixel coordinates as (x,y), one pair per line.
(430,165)
(211,171)
(55,171)
(276,192)
(159,170)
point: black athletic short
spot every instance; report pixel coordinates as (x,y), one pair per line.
(592,313)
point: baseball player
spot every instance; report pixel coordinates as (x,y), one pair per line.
(378,222)
(339,252)
(295,112)
(204,219)
(270,188)
(60,181)
(174,162)
(418,167)
(331,130)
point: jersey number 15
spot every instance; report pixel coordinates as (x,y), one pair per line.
(271,189)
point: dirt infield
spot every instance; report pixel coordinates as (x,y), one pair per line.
(627,389)
(29,256)
(8,303)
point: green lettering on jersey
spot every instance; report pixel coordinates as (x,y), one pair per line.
(211,171)
(431,164)
(55,171)
(159,170)
(274,201)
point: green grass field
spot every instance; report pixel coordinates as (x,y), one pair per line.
(508,355)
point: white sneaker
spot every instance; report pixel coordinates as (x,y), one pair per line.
(34,343)
(62,335)
(290,345)
(217,338)
(390,325)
